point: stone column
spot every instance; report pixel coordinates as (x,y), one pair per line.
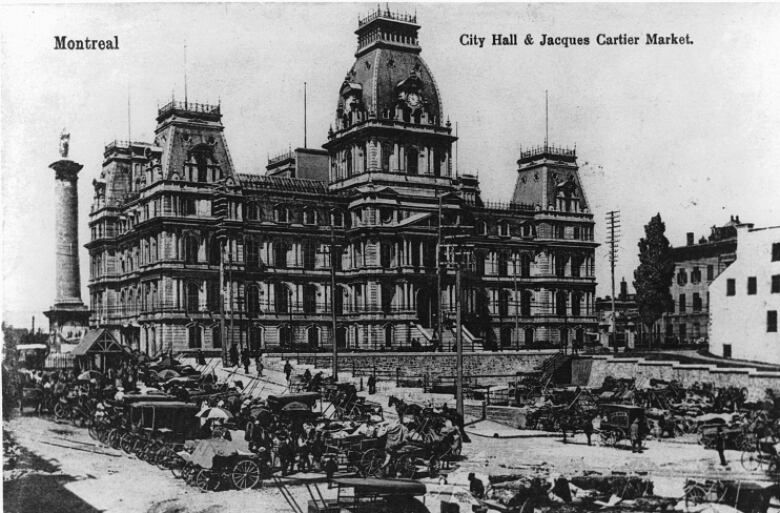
(68,280)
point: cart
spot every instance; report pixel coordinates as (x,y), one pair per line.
(353,453)
(221,463)
(616,420)
(372,495)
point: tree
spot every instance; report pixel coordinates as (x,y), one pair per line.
(653,277)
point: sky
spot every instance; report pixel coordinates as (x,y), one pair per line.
(687,131)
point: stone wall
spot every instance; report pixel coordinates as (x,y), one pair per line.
(643,370)
(433,364)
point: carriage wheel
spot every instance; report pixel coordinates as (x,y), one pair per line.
(126,442)
(60,411)
(406,467)
(608,438)
(694,494)
(93,432)
(371,462)
(188,472)
(115,438)
(246,474)
(751,461)
(207,481)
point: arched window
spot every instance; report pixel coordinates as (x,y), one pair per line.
(313,336)
(503,229)
(505,336)
(191,247)
(285,336)
(338,300)
(388,335)
(348,159)
(201,162)
(194,337)
(281,214)
(253,300)
(310,216)
(254,211)
(388,293)
(483,227)
(309,249)
(192,298)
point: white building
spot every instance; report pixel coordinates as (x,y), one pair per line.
(745,299)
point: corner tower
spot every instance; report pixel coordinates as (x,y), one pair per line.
(389,123)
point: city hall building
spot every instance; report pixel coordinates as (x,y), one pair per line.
(174,229)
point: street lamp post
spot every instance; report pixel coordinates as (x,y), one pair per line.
(333,320)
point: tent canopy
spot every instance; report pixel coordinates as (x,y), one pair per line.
(98,341)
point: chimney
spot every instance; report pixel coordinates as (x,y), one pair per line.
(623,289)
(689,238)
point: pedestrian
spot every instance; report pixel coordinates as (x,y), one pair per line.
(201,359)
(476,486)
(233,354)
(286,455)
(371,384)
(588,428)
(287,370)
(307,376)
(636,442)
(245,361)
(720,446)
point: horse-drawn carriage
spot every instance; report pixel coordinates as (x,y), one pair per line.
(152,430)
(616,420)
(216,464)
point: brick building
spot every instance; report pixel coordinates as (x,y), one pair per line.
(697,264)
(169,214)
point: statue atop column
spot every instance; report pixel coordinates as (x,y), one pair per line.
(64,143)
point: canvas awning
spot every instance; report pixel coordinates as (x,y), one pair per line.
(98,341)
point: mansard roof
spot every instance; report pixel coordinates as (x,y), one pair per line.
(282,184)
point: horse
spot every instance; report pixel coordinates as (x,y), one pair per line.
(403,408)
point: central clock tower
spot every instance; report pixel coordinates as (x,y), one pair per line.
(389,126)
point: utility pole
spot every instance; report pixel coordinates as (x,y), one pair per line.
(459,256)
(516,302)
(440,317)
(333,292)
(304,116)
(222,337)
(613,237)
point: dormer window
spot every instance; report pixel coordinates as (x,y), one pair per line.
(503,229)
(281,214)
(483,227)
(386,215)
(253,212)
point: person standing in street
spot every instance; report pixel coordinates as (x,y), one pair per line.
(588,428)
(720,446)
(245,361)
(371,384)
(636,443)
(287,370)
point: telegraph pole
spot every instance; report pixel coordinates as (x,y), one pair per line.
(333,337)
(225,362)
(459,256)
(613,237)
(440,317)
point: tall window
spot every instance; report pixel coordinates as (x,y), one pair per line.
(710,272)
(731,287)
(576,265)
(212,296)
(576,301)
(776,284)
(255,338)
(192,298)
(776,252)
(525,266)
(681,304)
(771,321)
(281,298)
(189,206)
(560,303)
(281,214)
(388,292)
(696,302)
(252,254)
(193,337)
(525,303)
(385,254)
(338,300)
(560,265)
(696,275)
(191,246)
(310,216)
(216,337)
(253,211)
(280,254)
(503,303)
(215,250)
(751,285)
(309,251)
(253,299)
(503,264)
(309,299)
(412,160)
(682,277)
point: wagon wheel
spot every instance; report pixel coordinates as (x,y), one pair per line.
(207,481)
(751,461)
(60,411)
(127,442)
(115,438)
(246,474)
(370,462)
(165,457)
(406,467)
(694,494)
(93,432)
(188,472)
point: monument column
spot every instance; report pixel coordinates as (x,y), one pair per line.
(68,309)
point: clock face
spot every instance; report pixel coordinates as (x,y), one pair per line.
(413,100)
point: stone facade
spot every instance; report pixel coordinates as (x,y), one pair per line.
(380,199)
